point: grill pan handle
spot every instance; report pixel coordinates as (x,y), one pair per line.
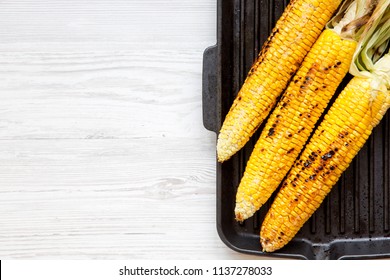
(209,89)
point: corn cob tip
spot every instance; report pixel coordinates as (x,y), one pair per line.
(273,238)
(221,154)
(244,211)
(225,148)
(268,246)
(239,217)
(263,245)
(221,157)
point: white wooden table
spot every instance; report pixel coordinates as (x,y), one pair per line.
(103,152)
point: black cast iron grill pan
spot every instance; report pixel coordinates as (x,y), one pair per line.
(354,220)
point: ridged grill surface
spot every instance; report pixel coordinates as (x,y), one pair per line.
(354,220)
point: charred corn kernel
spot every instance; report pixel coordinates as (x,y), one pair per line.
(292,121)
(294,34)
(323,160)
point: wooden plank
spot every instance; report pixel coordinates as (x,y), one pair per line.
(109,198)
(100,94)
(148,22)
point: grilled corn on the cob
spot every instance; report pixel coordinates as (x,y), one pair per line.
(336,142)
(296,114)
(345,129)
(280,57)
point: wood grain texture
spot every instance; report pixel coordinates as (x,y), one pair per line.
(105,199)
(101,94)
(103,154)
(147,23)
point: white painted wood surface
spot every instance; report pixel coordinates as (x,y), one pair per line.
(103,153)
